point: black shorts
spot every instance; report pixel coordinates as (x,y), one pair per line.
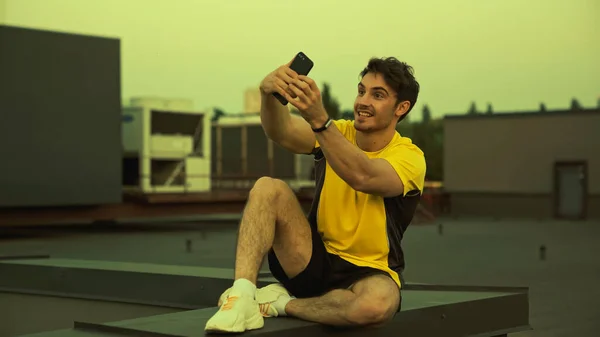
(324,272)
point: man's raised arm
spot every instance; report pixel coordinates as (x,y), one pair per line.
(289,131)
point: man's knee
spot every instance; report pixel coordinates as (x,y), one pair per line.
(370,312)
(269,188)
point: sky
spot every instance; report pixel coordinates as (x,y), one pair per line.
(512,54)
(2,10)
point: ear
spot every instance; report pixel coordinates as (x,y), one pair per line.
(402,108)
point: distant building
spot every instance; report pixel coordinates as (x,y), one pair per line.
(541,164)
(252,100)
(241,153)
(157,102)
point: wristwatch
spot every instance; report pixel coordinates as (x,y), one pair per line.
(325,126)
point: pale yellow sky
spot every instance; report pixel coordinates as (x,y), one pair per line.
(512,53)
(2,10)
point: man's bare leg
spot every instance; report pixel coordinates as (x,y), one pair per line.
(272,218)
(371,301)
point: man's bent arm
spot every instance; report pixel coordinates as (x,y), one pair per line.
(289,131)
(373,176)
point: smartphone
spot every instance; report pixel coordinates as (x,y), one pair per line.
(301,65)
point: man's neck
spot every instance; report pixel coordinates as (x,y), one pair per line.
(374,141)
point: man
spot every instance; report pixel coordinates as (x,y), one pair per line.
(342,264)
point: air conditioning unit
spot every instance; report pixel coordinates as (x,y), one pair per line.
(166,150)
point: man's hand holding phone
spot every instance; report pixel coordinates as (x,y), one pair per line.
(278,81)
(289,84)
(307,99)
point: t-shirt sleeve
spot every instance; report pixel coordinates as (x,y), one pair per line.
(342,125)
(409,163)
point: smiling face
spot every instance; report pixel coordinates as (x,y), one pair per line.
(376,106)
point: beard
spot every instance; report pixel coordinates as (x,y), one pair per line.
(372,122)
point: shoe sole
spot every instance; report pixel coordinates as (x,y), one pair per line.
(253,323)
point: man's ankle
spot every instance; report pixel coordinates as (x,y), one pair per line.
(281,303)
(244,287)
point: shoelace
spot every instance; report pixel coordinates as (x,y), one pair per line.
(229,302)
(264,309)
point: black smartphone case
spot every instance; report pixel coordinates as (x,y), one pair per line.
(301,65)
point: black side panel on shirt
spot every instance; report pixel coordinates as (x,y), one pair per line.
(399,213)
(320,165)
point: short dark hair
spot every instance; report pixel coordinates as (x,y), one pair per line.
(399,76)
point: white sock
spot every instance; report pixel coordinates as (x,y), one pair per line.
(244,287)
(280,304)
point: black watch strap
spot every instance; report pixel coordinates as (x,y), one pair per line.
(325,126)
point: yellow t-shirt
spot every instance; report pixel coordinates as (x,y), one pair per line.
(365,229)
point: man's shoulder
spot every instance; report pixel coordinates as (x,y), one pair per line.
(401,144)
(409,162)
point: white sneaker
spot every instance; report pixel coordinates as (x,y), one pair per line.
(265,297)
(236,314)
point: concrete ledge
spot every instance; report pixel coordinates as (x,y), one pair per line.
(427,310)
(184,287)
(23,257)
(424,313)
